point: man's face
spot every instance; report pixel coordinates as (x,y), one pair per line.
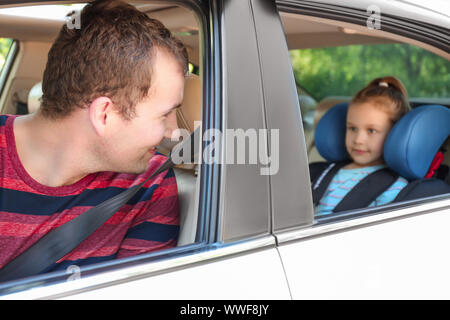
(132,143)
(367,129)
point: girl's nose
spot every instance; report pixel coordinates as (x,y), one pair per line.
(360,137)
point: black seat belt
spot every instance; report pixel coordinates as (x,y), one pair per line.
(367,190)
(59,242)
(322,177)
(361,195)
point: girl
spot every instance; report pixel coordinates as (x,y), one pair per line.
(371,114)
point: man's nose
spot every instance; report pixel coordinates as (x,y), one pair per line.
(171,125)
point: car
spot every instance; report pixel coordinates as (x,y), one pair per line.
(248,229)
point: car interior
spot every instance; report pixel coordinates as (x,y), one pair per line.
(22,75)
(23,88)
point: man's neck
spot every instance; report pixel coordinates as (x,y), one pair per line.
(50,151)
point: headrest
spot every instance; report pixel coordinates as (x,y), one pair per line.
(409,148)
(329,136)
(191,109)
(34,98)
(415,139)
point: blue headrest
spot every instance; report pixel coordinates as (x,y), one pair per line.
(409,148)
(329,136)
(415,139)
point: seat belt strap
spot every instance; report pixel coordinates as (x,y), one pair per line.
(367,190)
(319,186)
(60,241)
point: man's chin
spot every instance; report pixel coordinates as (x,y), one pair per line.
(137,169)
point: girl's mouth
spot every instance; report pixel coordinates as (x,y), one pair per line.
(359,152)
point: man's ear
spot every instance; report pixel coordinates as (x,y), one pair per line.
(100,114)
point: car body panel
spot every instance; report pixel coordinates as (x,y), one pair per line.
(203,282)
(290,189)
(244,192)
(248,270)
(375,260)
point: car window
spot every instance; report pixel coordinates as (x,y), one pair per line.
(24,87)
(5,45)
(330,64)
(7,50)
(346,69)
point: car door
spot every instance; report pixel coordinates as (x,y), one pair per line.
(234,254)
(397,251)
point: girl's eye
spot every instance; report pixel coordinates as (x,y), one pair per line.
(372,131)
(353,129)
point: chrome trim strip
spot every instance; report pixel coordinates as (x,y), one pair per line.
(110,278)
(319,230)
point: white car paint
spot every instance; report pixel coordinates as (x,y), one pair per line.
(230,272)
(256,276)
(398,259)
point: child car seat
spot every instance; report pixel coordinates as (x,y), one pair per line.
(412,146)
(409,151)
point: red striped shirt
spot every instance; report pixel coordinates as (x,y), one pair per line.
(147,222)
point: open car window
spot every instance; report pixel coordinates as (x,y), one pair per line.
(328,73)
(22,95)
(5,45)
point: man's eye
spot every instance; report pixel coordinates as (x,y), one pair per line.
(167,114)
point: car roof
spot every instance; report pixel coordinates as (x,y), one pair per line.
(301,32)
(430,11)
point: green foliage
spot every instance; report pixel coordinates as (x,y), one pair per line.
(344,70)
(5,43)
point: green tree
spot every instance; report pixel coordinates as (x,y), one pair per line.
(345,70)
(5,43)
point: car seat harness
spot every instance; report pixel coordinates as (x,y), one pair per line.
(361,196)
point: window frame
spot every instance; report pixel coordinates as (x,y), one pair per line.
(411,29)
(205,238)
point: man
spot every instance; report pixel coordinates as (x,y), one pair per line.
(110,89)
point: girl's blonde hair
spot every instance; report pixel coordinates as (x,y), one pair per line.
(387,93)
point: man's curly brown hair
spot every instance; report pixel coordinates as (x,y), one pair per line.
(111,55)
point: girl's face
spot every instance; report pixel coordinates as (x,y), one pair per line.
(367,129)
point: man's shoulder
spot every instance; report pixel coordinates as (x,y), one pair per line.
(155,162)
(3,118)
